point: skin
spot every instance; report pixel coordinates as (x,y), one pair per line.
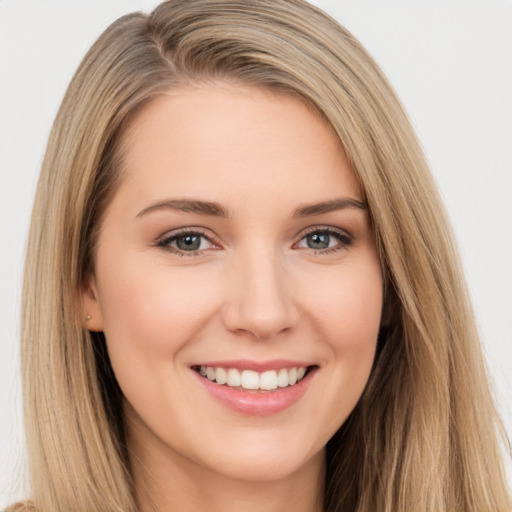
(256,289)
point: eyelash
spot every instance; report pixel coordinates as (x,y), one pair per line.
(344,240)
(165,242)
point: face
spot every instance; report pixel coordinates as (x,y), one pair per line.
(237,283)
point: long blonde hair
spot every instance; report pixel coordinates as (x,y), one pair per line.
(425,434)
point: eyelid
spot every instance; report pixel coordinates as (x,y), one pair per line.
(345,238)
(164,240)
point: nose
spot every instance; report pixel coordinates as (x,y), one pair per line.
(260,298)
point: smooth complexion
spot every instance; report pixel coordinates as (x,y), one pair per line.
(238,238)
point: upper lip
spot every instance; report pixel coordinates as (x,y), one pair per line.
(257,366)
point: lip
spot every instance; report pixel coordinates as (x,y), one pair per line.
(257,403)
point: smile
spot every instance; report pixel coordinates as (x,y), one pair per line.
(253,380)
(256,388)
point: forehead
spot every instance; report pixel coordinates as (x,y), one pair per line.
(234,142)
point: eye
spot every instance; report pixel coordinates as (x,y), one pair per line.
(325,240)
(189,241)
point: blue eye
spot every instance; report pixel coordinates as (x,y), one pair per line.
(319,240)
(325,240)
(186,242)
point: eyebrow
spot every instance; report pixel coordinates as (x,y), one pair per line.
(329,206)
(188,206)
(217,210)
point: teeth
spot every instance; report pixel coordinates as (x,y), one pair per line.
(234,378)
(221,376)
(282,378)
(249,379)
(268,380)
(210,373)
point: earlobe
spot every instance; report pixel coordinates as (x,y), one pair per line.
(92,314)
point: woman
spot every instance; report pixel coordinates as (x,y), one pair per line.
(251,296)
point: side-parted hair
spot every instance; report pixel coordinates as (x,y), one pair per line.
(425,436)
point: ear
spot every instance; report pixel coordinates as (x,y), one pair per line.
(91,306)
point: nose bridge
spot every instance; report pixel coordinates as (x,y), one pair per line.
(260,299)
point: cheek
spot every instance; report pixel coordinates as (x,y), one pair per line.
(348,307)
(151,307)
(150,313)
(347,317)
(343,310)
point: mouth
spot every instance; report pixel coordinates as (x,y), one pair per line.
(256,388)
(252,380)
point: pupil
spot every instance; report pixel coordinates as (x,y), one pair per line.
(318,241)
(189,242)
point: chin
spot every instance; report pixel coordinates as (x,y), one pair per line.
(267,466)
(265,456)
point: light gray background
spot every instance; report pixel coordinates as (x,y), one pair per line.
(451,63)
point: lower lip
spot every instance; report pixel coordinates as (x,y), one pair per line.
(261,403)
